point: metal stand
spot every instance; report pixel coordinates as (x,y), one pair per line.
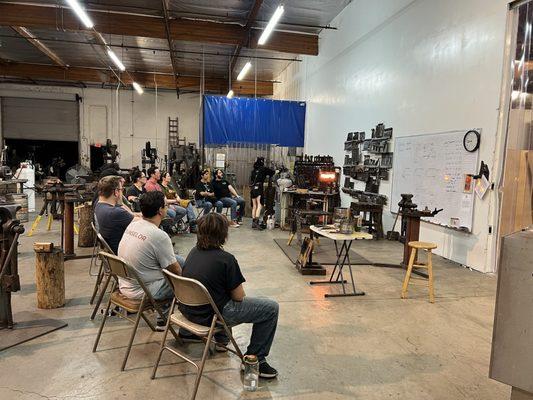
(343,253)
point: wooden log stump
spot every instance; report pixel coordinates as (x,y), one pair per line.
(86,233)
(50,278)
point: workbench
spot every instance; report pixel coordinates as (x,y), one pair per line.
(289,196)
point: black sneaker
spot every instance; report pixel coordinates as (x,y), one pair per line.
(160,325)
(189,338)
(266,371)
(221,347)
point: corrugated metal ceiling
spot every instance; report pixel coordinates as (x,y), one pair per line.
(152,55)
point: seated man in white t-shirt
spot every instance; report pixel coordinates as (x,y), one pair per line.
(148,250)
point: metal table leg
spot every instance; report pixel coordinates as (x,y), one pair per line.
(344,254)
(346,246)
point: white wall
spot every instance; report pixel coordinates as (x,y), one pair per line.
(420,66)
(129,122)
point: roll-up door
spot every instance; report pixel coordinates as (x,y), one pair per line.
(40,119)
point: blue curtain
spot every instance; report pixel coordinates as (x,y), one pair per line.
(253,121)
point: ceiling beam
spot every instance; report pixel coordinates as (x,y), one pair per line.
(247,27)
(60,18)
(169,40)
(158,49)
(30,37)
(147,80)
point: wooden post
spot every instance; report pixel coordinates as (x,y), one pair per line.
(86,234)
(68,227)
(50,279)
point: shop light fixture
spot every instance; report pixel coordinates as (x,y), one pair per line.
(138,88)
(80,12)
(244,71)
(115,59)
(230,94)
(271,24)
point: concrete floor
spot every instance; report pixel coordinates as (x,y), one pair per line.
(372,347)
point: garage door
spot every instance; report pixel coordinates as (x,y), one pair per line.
(40,119)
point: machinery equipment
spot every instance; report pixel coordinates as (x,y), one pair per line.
(410,230)
(110,152)
(148,156)
(5,171)
(307,170)
(184,165)
(79,174)
(10,230)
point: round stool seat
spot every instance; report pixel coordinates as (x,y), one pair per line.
(422,245)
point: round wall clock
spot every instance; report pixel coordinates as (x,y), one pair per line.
(471,141)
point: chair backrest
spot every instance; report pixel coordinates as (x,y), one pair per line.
(104,246)
(94,228)
(117,265)
(121,269)
(188,291)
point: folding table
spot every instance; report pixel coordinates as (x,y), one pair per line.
(343,257)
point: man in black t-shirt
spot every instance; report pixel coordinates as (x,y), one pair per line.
(220,273)
(229,197)
(204,194)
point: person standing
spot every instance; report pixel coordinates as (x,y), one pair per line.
(220,273)
(204,194)
(228,196)
(257,179)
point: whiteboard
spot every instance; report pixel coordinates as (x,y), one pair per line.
(432,167)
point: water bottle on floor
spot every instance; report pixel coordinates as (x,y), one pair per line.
(251,373)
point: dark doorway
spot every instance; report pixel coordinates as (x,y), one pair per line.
(53,157)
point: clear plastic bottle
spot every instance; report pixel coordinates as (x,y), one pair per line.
(251,373)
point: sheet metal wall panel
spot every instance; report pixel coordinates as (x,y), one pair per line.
(512,344)
(40,119)
(253,121)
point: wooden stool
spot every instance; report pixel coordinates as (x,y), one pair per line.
(412,264)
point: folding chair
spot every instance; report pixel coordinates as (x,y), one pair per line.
(103,272)
(94,255)
(192,293)
(118,268)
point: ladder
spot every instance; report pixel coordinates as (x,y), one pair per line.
(173,137)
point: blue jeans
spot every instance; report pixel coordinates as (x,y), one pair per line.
(208,205)
(189,211)
(176,213)
(262,313)
(162,291)
(233,203)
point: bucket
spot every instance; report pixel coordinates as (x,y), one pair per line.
(22,201)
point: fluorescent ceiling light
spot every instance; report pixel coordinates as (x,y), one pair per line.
(138,88)
(271,24)
(80,12)
(230,94)
(115,59)
(244,71)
